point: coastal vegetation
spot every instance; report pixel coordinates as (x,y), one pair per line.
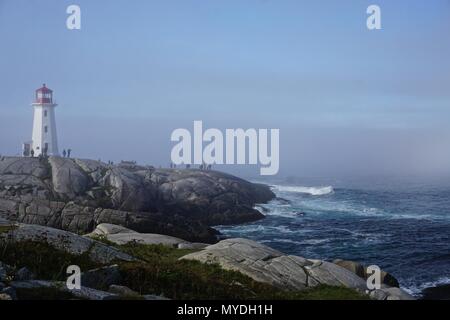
(158,271)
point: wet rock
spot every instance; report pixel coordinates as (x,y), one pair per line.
(441,292)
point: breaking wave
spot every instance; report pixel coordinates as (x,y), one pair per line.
(314,191)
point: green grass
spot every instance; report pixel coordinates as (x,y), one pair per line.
(103,239)
(158,271)
(162,273)
(45,261)
(154,252)
(324,292)
(4,229)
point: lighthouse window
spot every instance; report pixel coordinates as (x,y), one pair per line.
(46,129)
(45,113)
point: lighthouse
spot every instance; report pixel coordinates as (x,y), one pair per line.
(44,138)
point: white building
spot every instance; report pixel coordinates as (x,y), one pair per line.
(44,138)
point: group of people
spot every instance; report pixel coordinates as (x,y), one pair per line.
(188,166)
(44,153)
(205,166)
(66,153)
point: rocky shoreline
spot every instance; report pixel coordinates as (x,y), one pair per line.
(71,204)
(255,261)
(76,195)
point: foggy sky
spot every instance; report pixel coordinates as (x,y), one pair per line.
(347,101)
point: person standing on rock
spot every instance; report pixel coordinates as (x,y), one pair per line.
(32,153)
(68,153)
(64,153)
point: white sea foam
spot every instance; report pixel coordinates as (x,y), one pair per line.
(261,209)
(315,191)
(416,290)
(244,228)
(281,212)
(301,242)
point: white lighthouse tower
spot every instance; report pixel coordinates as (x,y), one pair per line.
(45,141)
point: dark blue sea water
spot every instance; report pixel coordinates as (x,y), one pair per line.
(401,226)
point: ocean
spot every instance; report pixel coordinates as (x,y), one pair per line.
(401,225)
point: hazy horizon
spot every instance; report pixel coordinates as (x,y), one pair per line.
(348,101)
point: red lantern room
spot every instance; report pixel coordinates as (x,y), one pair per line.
(44,95)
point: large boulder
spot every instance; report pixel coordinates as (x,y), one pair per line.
(101,278)
(121,235)
(68,179)
(440,292)
(361,271)
(265,264)
(82,219)
(324,272)
(77,194)
(210,196)
(64,240)
(106,229)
